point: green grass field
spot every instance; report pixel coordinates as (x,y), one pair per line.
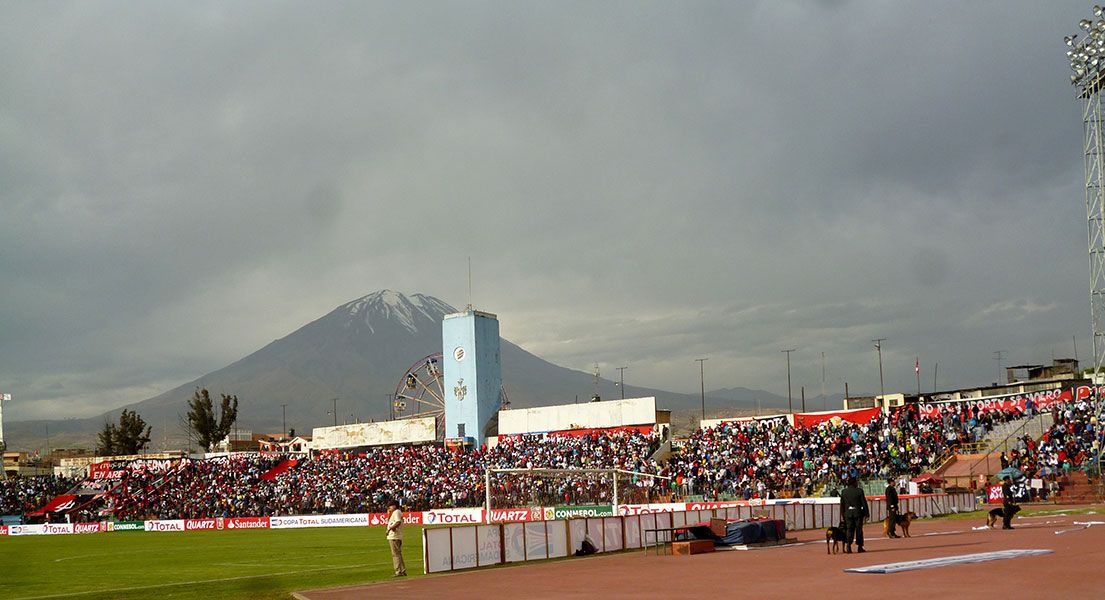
(264,563)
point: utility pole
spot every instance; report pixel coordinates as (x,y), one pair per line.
(621,380)
(998,355)
(803,398)
(284,414)
(822,381)
(935,370)
(702,384)
(335,411)
(790,399)
(878,346)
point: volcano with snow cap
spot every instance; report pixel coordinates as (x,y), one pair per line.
(357,353)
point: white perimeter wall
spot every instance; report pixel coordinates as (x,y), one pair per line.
(400,431)
(590,415)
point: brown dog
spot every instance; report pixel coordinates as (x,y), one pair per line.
(834,537)
(903,522)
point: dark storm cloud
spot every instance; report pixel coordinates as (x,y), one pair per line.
(639,183)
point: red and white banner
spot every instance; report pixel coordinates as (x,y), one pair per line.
(516,515)
(859,416)
(3,530)
(242,523)
(1042,400)
(409,518)
(712,505)
(103,470)
(993,494)
(167,525)
(89,527)
(452,516)
(199,524)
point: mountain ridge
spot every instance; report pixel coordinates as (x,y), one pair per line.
(352,358)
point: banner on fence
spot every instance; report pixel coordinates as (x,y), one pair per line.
(300,521)
(128,526)
(1041,401)
(575,512)
(452,516)
(165,525)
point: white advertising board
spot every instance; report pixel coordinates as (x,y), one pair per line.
(590,415)
(400,431)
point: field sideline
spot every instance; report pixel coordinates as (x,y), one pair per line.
(263,563)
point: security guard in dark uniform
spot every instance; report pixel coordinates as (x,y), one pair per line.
(891,508)
(1007,503)
(853,509)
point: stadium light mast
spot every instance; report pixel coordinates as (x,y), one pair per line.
(1087,63)
(702,384)
(790,395)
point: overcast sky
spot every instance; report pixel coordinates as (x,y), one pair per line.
(636,183)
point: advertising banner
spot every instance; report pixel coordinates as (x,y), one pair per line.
(1041,401)
(168,525)
(294,522)
(199,524)
(242,523)
(516,515)
(645,509)
(24,529)
(3,530)
(452,516)
(575,512)
(90,527)
(57,528)
(409,518)
(128,526)
(859,416)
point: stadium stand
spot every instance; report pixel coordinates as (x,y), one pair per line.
(754,459)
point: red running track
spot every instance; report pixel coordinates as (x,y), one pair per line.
(1075,569)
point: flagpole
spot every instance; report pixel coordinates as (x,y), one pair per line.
(917,370)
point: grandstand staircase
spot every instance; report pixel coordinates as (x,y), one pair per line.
(1077,489)
(984,457)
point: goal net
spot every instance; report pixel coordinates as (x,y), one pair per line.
(518,488)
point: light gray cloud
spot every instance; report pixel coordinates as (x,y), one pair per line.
(636,183)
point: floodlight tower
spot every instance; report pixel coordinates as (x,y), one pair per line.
(1087,61)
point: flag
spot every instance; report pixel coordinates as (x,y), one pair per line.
(917,365)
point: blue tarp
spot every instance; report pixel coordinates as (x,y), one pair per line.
(738,533)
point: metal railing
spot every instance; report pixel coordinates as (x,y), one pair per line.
(1005,443)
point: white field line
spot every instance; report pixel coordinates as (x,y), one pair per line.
(193,582)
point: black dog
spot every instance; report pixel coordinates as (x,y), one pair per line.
(834,537)
(999,513)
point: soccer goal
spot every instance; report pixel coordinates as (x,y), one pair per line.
(519,488)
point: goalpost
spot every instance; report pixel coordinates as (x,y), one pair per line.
(519,488)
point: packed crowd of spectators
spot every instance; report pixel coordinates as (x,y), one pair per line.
(751,459)
(756,459)
(19,495)
(420,477)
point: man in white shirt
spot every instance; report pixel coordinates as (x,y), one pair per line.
(395,539)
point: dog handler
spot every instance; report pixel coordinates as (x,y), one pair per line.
(853,507)
(1007,502)
(891,508)
(395,539)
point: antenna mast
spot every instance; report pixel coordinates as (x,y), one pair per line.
(469,283)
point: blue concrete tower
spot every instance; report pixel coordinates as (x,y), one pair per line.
(473,374)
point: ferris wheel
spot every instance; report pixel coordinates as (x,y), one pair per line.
(421,392)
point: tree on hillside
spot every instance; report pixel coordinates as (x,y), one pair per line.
(130,436)
(203,426)
(106,445)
